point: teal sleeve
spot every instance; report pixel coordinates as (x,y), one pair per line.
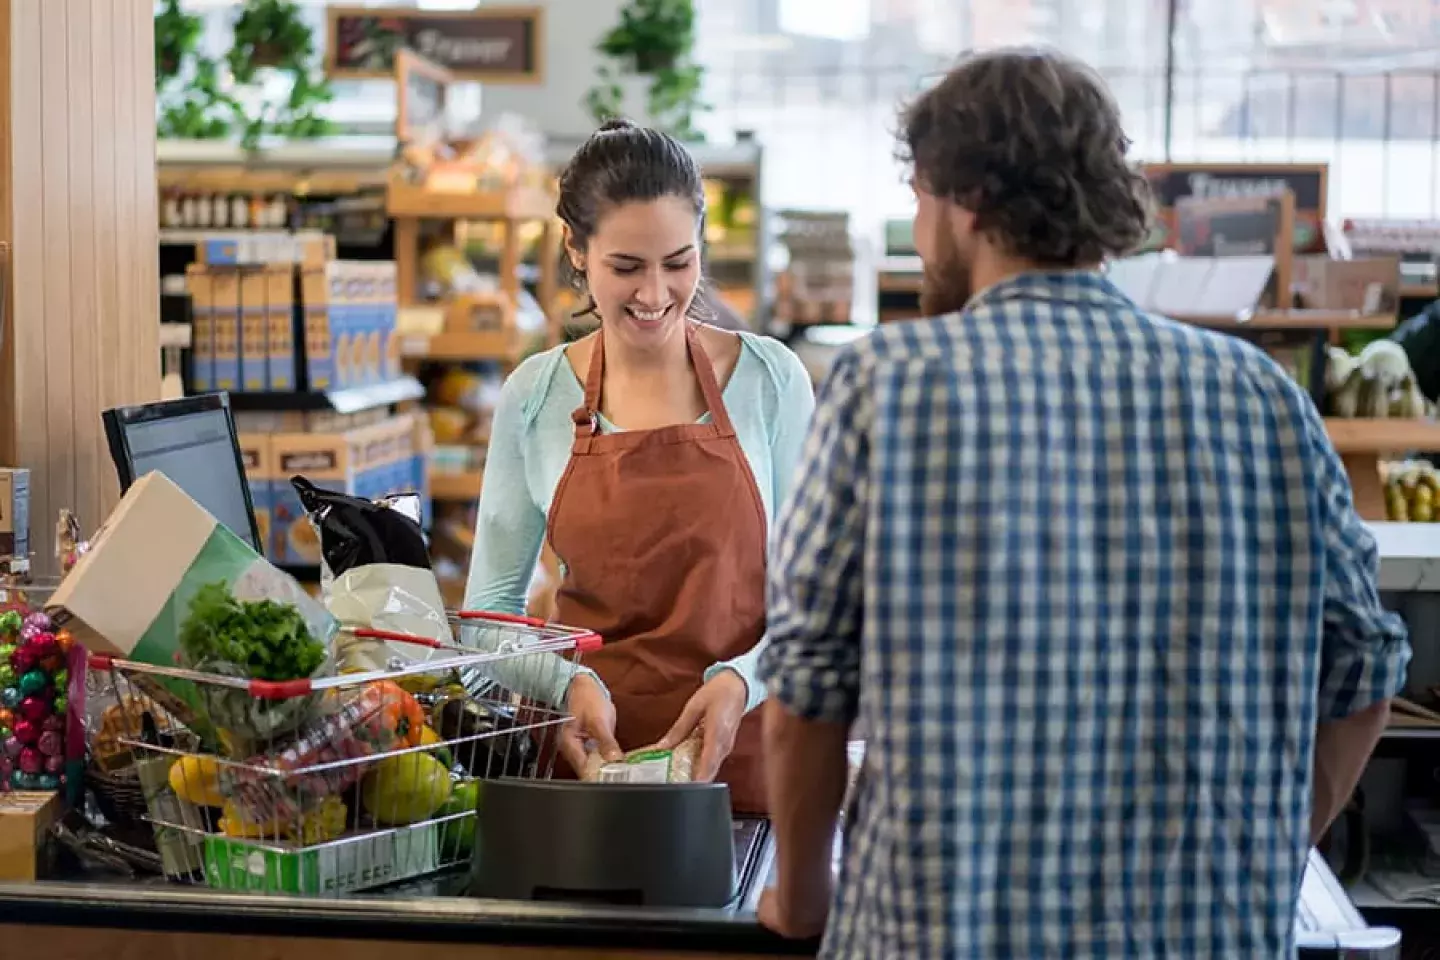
(791,425)
(509,529)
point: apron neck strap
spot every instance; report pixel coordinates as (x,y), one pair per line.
(709,386)
(587,417)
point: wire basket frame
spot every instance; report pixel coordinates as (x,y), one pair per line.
(347,781)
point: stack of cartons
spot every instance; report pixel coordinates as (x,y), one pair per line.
(375,459)
(246,317)
(349,323)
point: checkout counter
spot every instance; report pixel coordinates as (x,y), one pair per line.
(433,919)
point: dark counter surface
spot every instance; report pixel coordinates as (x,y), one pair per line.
(435,910)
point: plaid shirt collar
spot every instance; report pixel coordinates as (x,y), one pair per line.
(1077,287)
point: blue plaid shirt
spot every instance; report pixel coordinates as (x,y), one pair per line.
(1089,579)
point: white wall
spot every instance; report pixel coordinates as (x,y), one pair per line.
(572,28)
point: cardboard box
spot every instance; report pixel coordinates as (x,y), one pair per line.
(202,344)
(332,461)
(1370,285)
(15,512)
(225,296)
(326,871)
(280,329)
(254,349)
(25,821)
(130,593)
(259,460)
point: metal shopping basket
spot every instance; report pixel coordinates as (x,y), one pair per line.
(343,782)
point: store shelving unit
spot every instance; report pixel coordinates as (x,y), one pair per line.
(410,207)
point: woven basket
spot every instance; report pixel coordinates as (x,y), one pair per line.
(120,798)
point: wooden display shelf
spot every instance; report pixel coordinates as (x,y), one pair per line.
(1420,291)
(502,345)
(1366,436)
(404,200)
(1361,442)
(455,486)
(1292,320)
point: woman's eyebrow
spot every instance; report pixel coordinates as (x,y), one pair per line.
(669,256)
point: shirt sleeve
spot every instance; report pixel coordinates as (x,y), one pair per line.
(812,663)
(1365,649)
(509,529)
(795,406)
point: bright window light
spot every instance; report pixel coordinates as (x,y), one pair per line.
(826,19)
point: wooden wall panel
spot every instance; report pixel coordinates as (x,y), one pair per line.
(78,206)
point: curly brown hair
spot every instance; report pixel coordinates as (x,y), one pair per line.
(1030,142)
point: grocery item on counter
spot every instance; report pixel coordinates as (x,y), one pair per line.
(325,822)
(375,573)
(457,837)
(130,595)
(647,765)
(354,726)
(1412,492)
(494,741)
(405,789)
(258,640)
(1376,384)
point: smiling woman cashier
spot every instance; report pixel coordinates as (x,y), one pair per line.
(653,454)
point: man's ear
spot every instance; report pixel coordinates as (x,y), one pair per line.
(961,223)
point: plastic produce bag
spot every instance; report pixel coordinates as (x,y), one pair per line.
(375,573)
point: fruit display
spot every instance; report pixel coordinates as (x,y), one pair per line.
(1412,492)
(1377,384)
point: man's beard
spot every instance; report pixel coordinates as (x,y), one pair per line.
(947,283)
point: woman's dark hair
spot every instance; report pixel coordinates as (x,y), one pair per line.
(1030,142)
(624,163)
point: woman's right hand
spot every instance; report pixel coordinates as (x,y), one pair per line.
(592,729)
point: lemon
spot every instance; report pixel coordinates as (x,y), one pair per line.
(405,789)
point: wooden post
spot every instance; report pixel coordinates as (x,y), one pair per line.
(78,209)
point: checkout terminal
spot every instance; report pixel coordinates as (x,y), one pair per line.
(193,442)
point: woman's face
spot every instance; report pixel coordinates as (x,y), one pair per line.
(642,268)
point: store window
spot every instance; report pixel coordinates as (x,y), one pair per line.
(1352,82)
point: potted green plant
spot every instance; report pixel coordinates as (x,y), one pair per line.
(177,34)
(193,102)
(654,39)
(269,33)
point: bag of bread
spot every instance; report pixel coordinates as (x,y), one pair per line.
(648,765)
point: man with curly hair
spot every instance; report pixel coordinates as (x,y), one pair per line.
(1090,581)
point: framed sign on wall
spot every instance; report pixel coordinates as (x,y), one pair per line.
(1308,183)
(487,44)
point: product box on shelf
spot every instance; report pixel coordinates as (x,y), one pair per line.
(202,334)
(332,461)
(254,351)
(15,512)
(260,475)
(280,328)
(349,320)
(225,306)
(260,249)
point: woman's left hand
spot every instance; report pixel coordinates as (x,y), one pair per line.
(717,709)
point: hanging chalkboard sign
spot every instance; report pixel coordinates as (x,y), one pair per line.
(1307,183)
(487,44)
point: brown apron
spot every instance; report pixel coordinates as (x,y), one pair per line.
(662,537)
